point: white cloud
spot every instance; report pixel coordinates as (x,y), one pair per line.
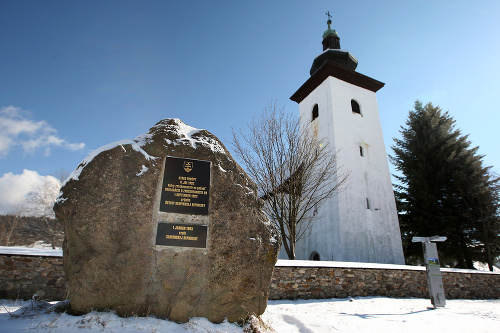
(15,188)
(75,146)
(17,129)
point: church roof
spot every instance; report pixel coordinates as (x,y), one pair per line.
(330,68)
(338,56)
(332,51)
(337,63)
(329,31)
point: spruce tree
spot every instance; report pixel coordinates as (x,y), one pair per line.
(444,189)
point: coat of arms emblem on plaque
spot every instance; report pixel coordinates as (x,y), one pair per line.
(188,166)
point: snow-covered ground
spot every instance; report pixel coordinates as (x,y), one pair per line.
(382,314)
(361,314)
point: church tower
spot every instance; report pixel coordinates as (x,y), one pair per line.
(360,223)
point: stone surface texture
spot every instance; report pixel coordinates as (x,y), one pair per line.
(340,282)
(109,207)
(21,277)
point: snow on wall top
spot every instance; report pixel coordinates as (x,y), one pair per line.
(345,264)
(30,251)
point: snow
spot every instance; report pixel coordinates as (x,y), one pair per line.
(345,264)
(42,250)
(30,251)
(382,314)
(136,144)
(250,192)
(143,170)
(484,267)
(17,316)
(359,314)
(187,132)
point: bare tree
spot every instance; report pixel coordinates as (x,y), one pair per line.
(295,171)
(61,175)
(41,202)
(12,222)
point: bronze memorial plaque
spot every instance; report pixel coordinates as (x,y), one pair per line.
(171,234)
(186,186)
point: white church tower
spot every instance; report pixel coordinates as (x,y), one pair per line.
(360,224)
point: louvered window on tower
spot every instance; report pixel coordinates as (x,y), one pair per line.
(315,112)
(355,107)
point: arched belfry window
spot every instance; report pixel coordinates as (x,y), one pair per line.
(315,112)
(355,107)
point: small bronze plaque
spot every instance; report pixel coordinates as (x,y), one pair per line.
(183,235)
(186,186)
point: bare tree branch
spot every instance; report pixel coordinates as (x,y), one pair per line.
(294,170)
(16,211)
(61,175)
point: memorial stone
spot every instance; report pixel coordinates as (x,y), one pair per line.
(167,224)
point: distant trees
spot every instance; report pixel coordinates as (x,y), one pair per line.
(61,175)
(445,190)
(295,172)
(32,217)
(29,231)
(11,222)
(40,202)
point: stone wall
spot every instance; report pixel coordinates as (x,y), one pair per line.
(21,276)
(338,280)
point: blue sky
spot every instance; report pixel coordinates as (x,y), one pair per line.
(76,75)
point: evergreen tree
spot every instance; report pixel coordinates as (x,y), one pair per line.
(445,190)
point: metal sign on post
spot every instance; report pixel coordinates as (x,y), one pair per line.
(434,279)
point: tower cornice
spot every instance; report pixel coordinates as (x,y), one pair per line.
(329,68)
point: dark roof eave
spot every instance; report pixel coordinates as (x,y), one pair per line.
(330,68)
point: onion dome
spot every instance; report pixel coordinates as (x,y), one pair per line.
(332,52)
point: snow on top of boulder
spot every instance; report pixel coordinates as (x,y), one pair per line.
(187,136)
(185,129)
(143,170)
(136,144)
